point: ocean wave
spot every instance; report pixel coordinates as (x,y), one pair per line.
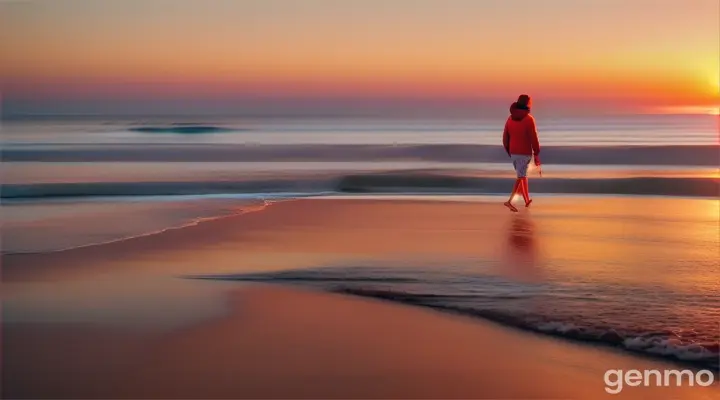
(664,344)
(184,152)
(417,182)
(183,129)
(377,183)
(121,189)
(508,303)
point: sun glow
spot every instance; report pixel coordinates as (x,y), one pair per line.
(715,83)
(691,110)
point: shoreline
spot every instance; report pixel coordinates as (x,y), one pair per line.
(598,343)
(190,222)
(450,197)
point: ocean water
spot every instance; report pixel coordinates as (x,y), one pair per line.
(83,170)
(554,131)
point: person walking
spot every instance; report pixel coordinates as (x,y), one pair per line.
(521,143)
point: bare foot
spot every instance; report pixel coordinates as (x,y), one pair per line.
(510,206)
(528,203)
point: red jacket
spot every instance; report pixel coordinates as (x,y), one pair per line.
(520,135)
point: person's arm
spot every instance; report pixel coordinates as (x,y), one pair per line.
(534,140)
(506,139)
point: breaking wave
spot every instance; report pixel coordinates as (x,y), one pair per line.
(631,318)
(183,129)
(380,183)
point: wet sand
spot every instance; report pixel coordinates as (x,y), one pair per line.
(282,343)
(116,321)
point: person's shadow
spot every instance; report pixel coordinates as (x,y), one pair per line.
(522,249)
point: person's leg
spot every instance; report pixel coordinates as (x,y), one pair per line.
(522,174)
(516,187)
(526,192)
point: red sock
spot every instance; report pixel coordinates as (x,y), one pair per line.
(525,189)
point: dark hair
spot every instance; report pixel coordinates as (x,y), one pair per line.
(523,102)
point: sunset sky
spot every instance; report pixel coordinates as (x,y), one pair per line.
(61,55)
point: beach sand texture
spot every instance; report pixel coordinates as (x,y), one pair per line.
(121,321)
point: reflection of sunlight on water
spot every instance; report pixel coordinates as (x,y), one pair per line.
(710,209)
(619,240)
(693,110)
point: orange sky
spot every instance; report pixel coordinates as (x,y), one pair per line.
(644,52)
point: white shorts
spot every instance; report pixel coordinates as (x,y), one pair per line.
(521,163)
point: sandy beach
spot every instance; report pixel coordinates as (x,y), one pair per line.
(122,321)
(274,199)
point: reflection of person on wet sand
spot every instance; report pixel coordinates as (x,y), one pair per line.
(521,235)
(522,248)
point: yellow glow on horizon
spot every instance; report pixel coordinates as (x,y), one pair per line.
(693,110)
